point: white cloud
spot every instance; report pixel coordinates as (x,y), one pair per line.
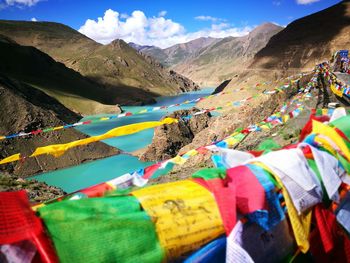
(158,31)
(162,13)
(277,3)
(33,19)
(209,18)
(306,2)
(22,2)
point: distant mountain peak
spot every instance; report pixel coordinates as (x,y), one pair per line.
(120,43)
(140,48)
(266,27)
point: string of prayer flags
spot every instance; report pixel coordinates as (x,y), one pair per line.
(58,149)
(152,109)
(127,114)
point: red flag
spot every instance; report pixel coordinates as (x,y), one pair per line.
(18,222)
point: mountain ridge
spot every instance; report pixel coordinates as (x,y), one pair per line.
(209,61)
(224,59)
(307,40)
(171,56)
(115,65)
(30,65)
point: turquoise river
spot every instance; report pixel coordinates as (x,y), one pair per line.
(77,177)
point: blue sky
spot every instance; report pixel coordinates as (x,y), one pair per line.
(161,22)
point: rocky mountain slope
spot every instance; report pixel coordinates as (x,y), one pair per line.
(138,47)
(224,59)
(209,61)
(308,40)
(30,65)
(115,66)
(177,54)
(24,108)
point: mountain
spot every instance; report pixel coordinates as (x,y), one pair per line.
(30,65)
(170,57)
(25,108)
(224,59)
(139,47)
(308,40)
(115,66)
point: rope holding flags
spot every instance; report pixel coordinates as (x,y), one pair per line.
(59,149)
(152,109)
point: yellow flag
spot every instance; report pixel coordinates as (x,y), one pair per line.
(320,128)
(231,141)
(11,158)
(300,224)
(178,160)
(192,152)
(336,91)
(186,215)
(285,118)
(58,149)
(326,144)
(58,128)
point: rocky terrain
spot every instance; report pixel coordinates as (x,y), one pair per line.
(177,54)
(184,84)
(169,139)
(24,108)
(37,191)
(117,68)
